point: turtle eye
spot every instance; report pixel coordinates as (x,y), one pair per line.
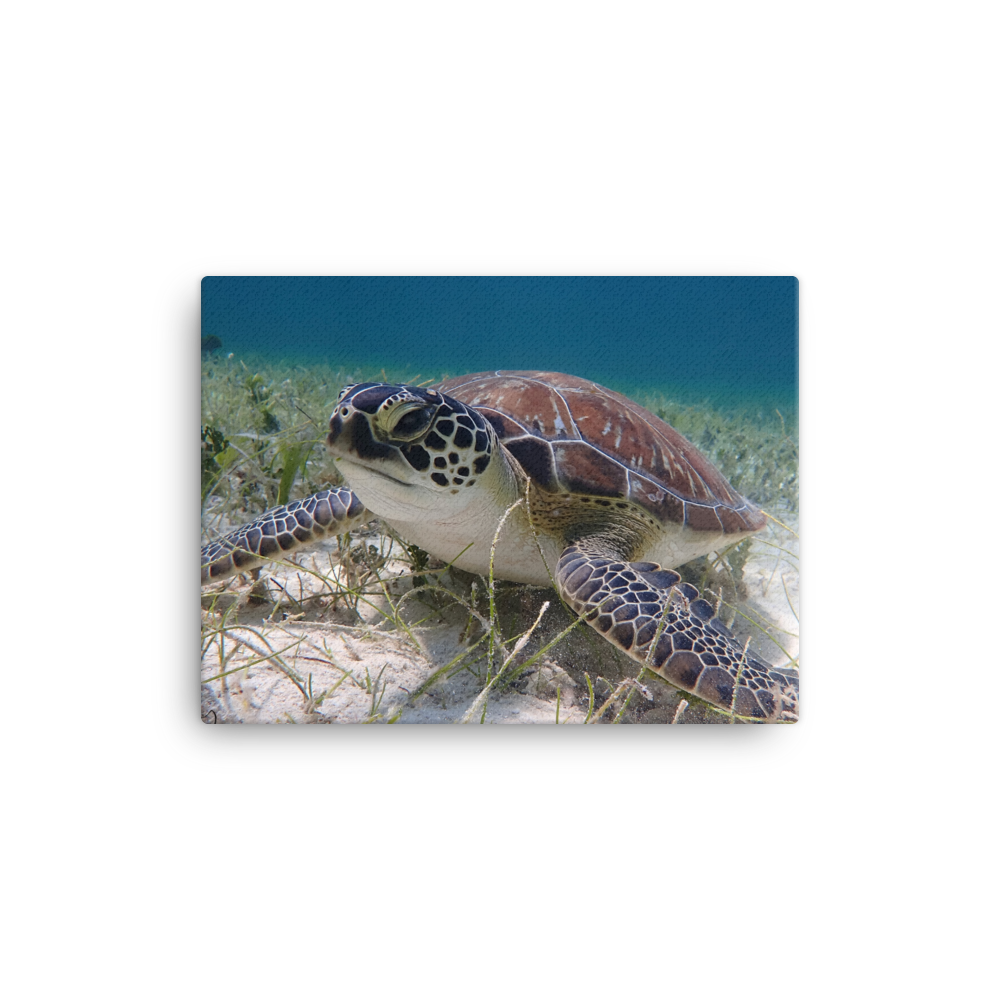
(410,422)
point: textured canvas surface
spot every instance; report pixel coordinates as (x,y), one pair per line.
(370,629)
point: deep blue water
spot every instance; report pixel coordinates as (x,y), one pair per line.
(733,341)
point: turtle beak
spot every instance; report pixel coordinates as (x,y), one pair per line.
(351,437)
(337,426)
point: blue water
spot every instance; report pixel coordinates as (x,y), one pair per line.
(731,341)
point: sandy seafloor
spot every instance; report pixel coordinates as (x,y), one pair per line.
(294,655)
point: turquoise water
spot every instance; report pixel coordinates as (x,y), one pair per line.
(732,342)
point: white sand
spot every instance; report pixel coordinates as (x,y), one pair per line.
(358,667)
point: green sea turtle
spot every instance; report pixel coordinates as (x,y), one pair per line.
(612,499)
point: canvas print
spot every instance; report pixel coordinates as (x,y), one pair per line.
(499,500)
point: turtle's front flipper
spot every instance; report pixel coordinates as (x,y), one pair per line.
(627,603)
(282,530)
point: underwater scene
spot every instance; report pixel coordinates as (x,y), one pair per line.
(544,500)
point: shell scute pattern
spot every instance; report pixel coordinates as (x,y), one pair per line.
(571,435)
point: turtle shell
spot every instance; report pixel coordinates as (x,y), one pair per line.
(572,435)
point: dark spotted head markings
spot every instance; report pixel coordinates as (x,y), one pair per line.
(445,441)
(456,447)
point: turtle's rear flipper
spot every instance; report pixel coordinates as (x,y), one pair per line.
(665,625)
(281,531)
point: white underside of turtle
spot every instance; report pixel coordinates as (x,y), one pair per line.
(601,513)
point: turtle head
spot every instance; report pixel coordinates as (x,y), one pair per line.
(408,452)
